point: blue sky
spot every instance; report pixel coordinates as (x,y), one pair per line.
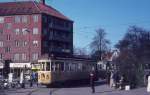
(115,16)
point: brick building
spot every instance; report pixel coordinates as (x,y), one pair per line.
(31,30)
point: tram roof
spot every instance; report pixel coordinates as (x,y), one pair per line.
(67,59)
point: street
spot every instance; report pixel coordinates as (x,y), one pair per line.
(101,89)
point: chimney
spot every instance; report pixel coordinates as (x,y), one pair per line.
(42,1)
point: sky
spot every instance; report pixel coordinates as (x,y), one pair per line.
(115,16)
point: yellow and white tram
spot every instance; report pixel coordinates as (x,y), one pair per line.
(64,69)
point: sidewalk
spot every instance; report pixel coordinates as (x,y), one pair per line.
(100,90)
(81,90)
(19,91)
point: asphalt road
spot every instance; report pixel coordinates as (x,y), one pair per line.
(101,89)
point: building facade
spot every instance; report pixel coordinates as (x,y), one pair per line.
(32,30)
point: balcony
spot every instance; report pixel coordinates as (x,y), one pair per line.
(58,38)
(60,50)
(60,27)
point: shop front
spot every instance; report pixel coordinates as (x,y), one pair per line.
(1,68)
(17,68)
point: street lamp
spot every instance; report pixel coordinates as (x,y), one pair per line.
(24,69)
(29,41)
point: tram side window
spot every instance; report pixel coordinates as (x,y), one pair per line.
(69,65)
(62,66)
(52,66)
(73,67)
(66,66)
(80,67)
(59,66)
(76,67)
(56,66)
(84,68)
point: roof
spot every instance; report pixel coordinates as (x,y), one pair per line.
(29,7)
(110,55)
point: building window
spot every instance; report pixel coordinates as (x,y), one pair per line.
(8,37)
(45,32)
(7,49)
(17,43)
(16,56)
(1,31)
(45,19)
(50,24)
(50,35)
(24,19)
(1,19)
(45,44)
(24,56)
(1,56)
(35,30)
(1,44)
(35,18)
(17,19)
(35,56)
(67,24)
(24,31)
(16,31)
(35,43)
(24,43)
(8,25)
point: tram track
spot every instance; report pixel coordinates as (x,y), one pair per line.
(31,92)
(54,90)
(42,90)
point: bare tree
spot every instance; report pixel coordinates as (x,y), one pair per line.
(134,54)
(79,51)
(100,44)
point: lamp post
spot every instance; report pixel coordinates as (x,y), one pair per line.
(29,56)
(28,42)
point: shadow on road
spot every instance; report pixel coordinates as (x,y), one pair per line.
(106,91)
(76,84)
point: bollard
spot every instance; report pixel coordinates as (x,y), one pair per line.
(148,85)
(127,87)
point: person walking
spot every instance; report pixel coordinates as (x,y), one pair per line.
(36,75)
(92,81)
(31,80)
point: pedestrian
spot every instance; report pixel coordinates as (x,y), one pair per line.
(117,79)
(148,85)
(112,82)
(31,80)
(121,82)
(33,76)
(92,75)
(36,75)
(108,77)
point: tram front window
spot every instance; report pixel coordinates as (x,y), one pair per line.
(47,66)
(43,66)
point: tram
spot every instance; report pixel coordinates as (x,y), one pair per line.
(64,69)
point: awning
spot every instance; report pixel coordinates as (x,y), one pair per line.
(36,66)
(20,65)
